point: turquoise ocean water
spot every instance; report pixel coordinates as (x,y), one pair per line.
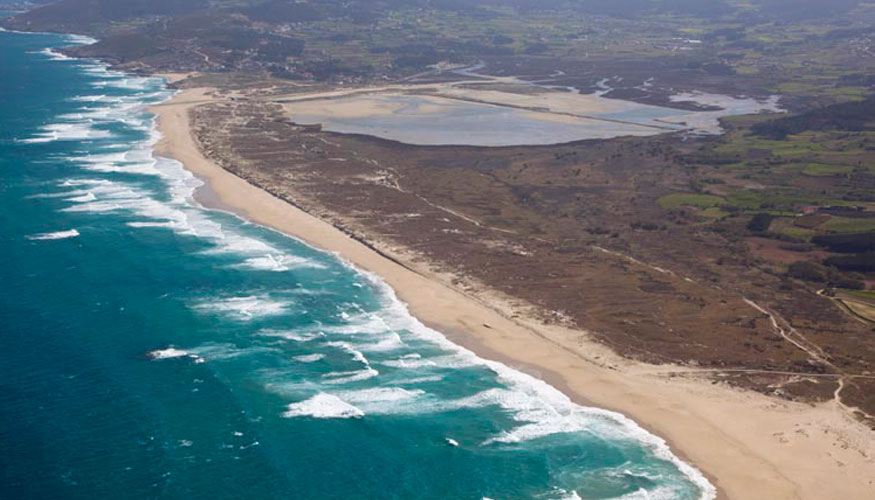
(153,349)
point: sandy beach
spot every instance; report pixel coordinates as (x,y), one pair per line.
(749,445)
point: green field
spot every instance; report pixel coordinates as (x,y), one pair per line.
(825,170)
(677,200)
(848,225)
(865,294)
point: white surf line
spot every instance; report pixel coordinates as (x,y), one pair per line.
(57,235)
(513,381)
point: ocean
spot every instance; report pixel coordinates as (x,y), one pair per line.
(151,348)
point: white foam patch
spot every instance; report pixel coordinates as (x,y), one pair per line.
(322,406)
(110,196)
(361,324)
(57,235)
(83,198)
(373,332)
(308,358)
(541,409)
(239,244)
(334,378)
(124,110)
(408,363)
(54,55)
(278,262)
(146,168)
(127,83)
(352,351)
(418,380)
(377,395)
(389,342)
(155,225)
(246,307)
(172,352)
(84,182)
(222,351)
(67,132)
(291,335)
(570,496)
(178,214)
(658,493)
(95,98)
(81,39)
(60,194)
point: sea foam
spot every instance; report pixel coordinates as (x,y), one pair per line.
(55,56)
(67,132)
(245,307)
(57,235)
(323,406)
(309,358)
(541,409)
(171,353)
(538,410)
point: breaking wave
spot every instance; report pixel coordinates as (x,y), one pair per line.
(57,235)
(345,360)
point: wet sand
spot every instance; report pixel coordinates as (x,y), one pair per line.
(749,445)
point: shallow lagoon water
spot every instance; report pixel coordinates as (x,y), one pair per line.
(154,349)
(434,120)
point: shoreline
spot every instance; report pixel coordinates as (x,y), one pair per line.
(745,443)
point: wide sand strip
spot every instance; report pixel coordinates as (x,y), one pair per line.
(750,445)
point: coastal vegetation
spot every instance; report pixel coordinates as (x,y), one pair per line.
(777,206)
(738,252)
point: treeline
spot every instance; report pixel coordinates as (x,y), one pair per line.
(847,243)
(830,276)
(858,263)
(848,116)
(840,271)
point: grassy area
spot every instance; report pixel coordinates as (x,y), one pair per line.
(825,89)
(677,200)
(741,144)
(780,200)
(825,170)
(798,232)
(847,225)
(865,294)
(714,213)
(786,226)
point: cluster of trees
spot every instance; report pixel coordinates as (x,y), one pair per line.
(847,243)
(860,262)
(830,276)
(848,116)
(841,271)
(760,223)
